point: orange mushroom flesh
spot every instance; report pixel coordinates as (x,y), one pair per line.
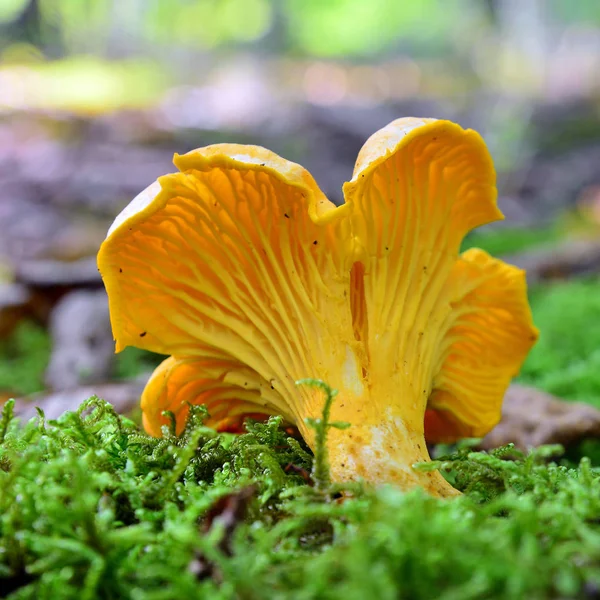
(241,270)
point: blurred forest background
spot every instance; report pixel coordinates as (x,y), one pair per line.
(96,96)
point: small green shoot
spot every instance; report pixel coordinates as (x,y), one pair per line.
(7,416)
(320,470)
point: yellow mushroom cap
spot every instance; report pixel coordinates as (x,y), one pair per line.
(249,278)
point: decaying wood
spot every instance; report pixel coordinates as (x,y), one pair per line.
(124,396)
(532,418)
(15,300)
(228,512)
(565,260)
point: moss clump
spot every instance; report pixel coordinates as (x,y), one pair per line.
(90,507)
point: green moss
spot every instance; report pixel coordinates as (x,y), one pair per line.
(25,353)
(23,358)
(566,359)
(506,241)
(133,362)
(92,508)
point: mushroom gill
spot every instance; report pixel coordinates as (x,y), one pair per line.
(249,278)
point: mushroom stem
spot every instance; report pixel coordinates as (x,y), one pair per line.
(383,442)
(387,458)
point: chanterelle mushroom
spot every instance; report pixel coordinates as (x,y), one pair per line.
(241,270)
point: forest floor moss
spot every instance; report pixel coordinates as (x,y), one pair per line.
(90,507)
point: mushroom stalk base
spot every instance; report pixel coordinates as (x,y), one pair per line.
(384,453)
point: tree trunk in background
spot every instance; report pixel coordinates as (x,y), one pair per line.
(29,27)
